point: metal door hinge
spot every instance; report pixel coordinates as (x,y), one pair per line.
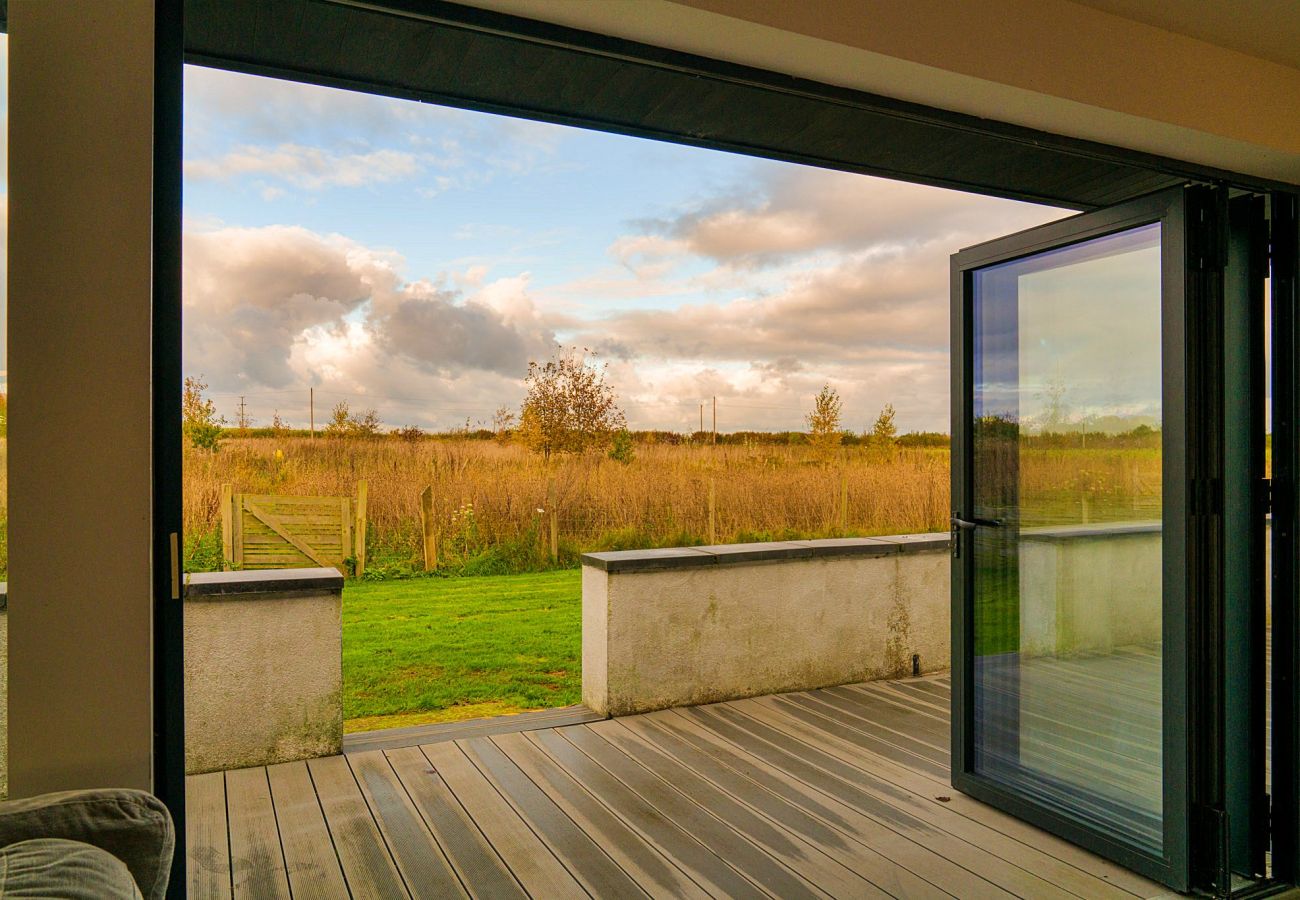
(174,540)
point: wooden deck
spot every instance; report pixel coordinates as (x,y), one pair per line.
(841,792)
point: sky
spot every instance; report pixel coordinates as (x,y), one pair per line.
(414,258)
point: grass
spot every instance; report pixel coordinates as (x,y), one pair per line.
(430,650)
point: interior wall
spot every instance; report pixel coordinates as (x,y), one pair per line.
(80,270)
(1052,65)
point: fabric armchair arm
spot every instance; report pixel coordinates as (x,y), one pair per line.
(132,825)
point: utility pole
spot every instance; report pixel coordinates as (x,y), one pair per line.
(715,418)
(701,418)
(243,415)
(311,407)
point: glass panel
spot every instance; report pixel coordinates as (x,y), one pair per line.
(1067,594)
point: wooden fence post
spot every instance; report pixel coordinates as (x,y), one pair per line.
(430,534)
(359,533)
(227,527)
(713,511)
(555,519)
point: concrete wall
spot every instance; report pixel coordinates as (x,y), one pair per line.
(80,217)
(263,667)
(1090,588)
(677,627)
(682,626)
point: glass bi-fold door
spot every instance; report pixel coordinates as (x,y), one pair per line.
(1108,532)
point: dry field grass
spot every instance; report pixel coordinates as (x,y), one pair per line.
(491,500)
(488,495)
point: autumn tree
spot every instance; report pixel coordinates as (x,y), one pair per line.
(883,432)
(199,420)
(345,423)
(824,420)
(278,425)
(569,407)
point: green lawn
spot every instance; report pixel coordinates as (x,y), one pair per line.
(445,649)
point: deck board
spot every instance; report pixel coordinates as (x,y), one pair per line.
(367,864)
(423,865)
(207,850)
(839,792)
(478,865)
(535,870)
(256,858)
(311,862)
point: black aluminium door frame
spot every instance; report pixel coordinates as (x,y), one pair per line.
(1168,208)
(168,604)
(1285,300)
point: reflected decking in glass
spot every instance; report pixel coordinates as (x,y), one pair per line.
(1068,600)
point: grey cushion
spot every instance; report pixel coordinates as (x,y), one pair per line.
(133,826)
(69,870)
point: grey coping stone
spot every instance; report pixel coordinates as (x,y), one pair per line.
(1096,529)
(642,560)
(918,543)
(262,581)
(628,561)
(758,551)
(867,547)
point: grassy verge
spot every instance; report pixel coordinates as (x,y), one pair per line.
(445,649)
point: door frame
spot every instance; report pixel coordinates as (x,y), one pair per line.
(1168,208)
(1285,504)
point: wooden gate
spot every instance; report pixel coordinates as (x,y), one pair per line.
(267,531)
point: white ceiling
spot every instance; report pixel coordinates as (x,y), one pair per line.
(1215,82)
(1269,29)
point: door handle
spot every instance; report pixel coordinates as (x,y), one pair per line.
(959,525)
(971,524)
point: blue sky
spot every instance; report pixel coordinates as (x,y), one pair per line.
(414,258)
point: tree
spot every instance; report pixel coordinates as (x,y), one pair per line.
(277,424)
(345,423)
(199,420)
(623,450)
(824,420)
(569,406)
(883,432)
(502,420)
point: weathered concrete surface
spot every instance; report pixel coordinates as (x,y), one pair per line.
(263,670)
(1090,590)
(685,634)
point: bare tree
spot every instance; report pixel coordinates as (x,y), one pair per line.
(569,406)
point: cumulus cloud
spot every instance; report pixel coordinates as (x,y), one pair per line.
(314,137)
(795,210)
(279,307)
(819,276)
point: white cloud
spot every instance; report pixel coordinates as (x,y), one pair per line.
(280,308)
(310,168)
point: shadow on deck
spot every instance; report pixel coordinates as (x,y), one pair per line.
(842,792)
